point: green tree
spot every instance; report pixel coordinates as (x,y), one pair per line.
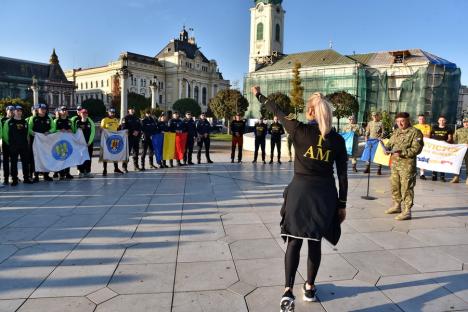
(139,102)
(187,105)
(96,108)
(227,103)
(344,105)
(282,100)
(16,101)
(387,123)
(297,90)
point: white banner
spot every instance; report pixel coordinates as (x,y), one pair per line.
(114,145)
(60,150)
(441,156)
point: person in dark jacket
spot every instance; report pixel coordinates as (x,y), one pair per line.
(162,127)
(15,134)
(276,130)
(88,127)
(9,113)
(237,131)
(203,127)
(190,127)
(149,127)
(260,132)
(311,200)
(132,124)
(177,126)
(63,124)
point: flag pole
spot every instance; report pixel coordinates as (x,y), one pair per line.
(367,197)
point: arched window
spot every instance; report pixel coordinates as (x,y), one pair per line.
(91,84)
(260,31)
(278,33)
(195,93)
(189,90)
(204,96)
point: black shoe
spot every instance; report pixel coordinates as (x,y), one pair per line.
(422,177)
(264,162)
(153,166)
(56,175)
(69,176)
(126,170)
(199,161)
(287,302)
(254,161)
(209,161)
(271,162)
(191,163)
(232,161)
(290,160)
(27,181)
(239,161)
(36,179)
(142,169)
(14,183)
(434,178)
(117,170)
(6,182)
(104,173)
(279,161)
(442,179)
(47,178)
(309,294)
(61,178)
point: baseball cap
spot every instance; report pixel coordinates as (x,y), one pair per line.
(83,111)
(42,106)
(18,107)
(78,108)
(10,108)
(465,119)
(402,115)
(111,110)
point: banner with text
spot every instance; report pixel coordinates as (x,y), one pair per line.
(440,156)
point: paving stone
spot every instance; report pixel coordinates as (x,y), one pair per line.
(241,288)
(197,276)
(31,221)
(39,255)
(332,268)
(428,259)
(460,252)
(18,282)
(69,304)
(77,221)
(246,231)
(356,243)
(62,235)
(435,237)
(202,231)
(208,301)
(102,295)
(241,218)
(264,272)
(151,234)
(203,251)
(6,250)
(256,249)
(144,278)
(394,240)
(145,253)
(94,254)
(370,225)
(137,303)
(10,305)
(12,235)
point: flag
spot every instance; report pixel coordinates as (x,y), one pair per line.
(380,157)
(441,156)
(60,150)
(370,149)
(349,141)
(114,145)
(158,143)
(180,142)
(169,146)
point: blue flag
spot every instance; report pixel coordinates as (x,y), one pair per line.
(370,149)
(158,141)
(349,141)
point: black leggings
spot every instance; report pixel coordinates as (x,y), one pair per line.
(291,260)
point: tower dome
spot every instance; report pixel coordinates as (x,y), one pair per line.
(277,2)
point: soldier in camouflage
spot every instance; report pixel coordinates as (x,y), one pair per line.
(461,137)
(404,145)
(352,126)
(374,130)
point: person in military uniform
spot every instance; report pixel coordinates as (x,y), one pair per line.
(88,127)
(374,130)
(203,128)
(461,137)
(15,133)
(352,126)
(237,131)
(132,124)
(111,123)
(63,124)
(441,132)
(9,113)
(260,132)
(404,145)
(426,130)
(190,127)
(177,126)
(149,127)
(276,130)
(40,122)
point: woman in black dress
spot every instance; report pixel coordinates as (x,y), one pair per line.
(311,200)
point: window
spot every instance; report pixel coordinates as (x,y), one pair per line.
(86,85)
(107,82)
(189,90)
(81,86)
(91,84)
(278,33)
(195,93)
(102,83)
(97,84)
(160,99)
(260,31)
(204,96)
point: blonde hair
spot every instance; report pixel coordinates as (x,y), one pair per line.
(323,112)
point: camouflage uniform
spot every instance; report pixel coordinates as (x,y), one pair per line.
(357,133)
(461,137)
(403,174)
(374,130)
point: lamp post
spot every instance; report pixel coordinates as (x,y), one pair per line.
(154,88)
(35,89)
(123,73)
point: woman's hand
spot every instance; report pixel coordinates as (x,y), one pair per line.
(342,214)
(255,90)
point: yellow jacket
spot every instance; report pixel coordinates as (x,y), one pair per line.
(111,124)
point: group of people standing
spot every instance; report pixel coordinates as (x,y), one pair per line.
(18,133)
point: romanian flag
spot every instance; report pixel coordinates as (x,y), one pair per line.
(169,146)
(158,143)
(180,142)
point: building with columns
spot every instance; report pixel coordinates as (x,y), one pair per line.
(179,70)
(18,78)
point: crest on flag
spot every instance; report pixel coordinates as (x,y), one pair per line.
(62,150)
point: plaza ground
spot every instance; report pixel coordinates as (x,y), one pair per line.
(206,238)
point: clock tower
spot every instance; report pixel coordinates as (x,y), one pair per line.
(266,32)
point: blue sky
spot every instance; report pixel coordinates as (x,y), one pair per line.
(92,33)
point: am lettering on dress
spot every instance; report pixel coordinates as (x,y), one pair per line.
(317,153)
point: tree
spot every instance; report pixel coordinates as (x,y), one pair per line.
(344,104)
(96,108)
(297,90)
(282,100)
(227,103)
(16,101)
(387,124)
(139,102)
(187,105)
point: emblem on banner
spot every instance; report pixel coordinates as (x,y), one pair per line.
(62,150)
(115,144)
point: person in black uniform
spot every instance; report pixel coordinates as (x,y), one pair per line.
(237,131)
(203,138)
(133,125)
(311,200)
(149,127)
(276,130)
(16,136)
(39,123)
(63,124)
(176,125)
(9,113)
(162,127)
(441,132)
(189,125)
(88,128)
(260,132)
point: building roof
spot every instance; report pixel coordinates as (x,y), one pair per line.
(140,58)
(308,59)
(25,70)
(411,56)
(183,44)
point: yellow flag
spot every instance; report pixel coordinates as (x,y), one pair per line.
(169,146)
(380,157)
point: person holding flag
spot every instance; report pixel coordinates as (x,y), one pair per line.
(374,130)
(461,137)
(441,132)
(352,126)
(64,124)
(9,113)
(111,123)
(426,130)
(177,126)
(189,125)
(88,128)
(132,124)
(158,140)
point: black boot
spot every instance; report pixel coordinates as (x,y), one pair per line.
(367,169)
(354,168)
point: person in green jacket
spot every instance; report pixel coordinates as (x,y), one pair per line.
(5,148)
(88,128)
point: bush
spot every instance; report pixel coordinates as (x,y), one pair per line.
(187,105)
(96,108)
